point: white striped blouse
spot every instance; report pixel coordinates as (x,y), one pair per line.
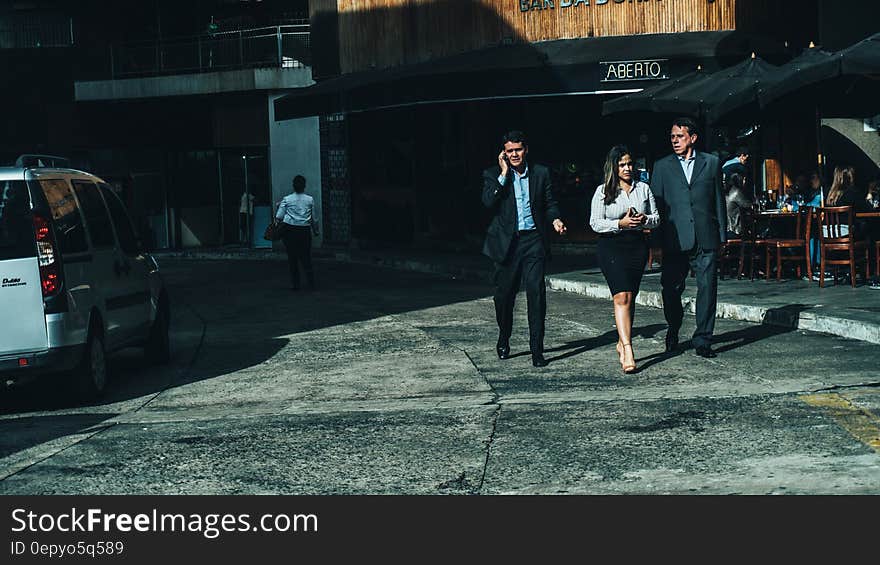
(603,219)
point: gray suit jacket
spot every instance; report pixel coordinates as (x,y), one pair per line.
(501,200)
(694,213)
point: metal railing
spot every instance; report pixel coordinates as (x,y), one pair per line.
(284,46)
(30,32)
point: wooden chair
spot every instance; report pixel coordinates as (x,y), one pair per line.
(754,246)
(795,249)
(732,250)
(877,258)
(837,244)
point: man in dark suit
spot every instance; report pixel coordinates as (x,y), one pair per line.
(693,225)
(518,240)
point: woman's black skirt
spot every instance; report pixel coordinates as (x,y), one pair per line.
(622,258)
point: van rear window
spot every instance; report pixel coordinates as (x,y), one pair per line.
(65,214)
(16,224)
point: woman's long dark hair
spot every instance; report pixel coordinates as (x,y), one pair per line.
(844,178)
(612,183)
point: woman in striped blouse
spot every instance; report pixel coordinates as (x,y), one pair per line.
(622,208)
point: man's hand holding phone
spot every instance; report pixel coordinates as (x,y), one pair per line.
(503,162)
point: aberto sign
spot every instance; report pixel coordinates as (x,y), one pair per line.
(534,5)
(646,69)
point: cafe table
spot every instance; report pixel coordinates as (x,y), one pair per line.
(776,223)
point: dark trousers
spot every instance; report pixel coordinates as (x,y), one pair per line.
(298,244)
(524,264)
(676,267)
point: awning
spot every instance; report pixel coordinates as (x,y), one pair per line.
(642,101)
(841,84)
(698,93)
(845,84)
(743,106)
(548,68)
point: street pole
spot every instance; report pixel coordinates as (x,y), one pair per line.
(247,202)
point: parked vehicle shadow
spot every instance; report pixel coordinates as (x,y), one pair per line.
(226,320)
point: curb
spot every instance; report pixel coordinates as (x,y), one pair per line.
(789,317)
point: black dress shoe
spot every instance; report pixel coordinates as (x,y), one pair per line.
(538,360)
(503,349)
(706,351)
(671,342)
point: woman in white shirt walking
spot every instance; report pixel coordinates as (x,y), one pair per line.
(296,211)
(621,209)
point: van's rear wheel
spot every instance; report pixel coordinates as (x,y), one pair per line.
(158,347)
(90,377)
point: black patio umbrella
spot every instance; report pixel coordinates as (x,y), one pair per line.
(642,101)
(694,94)
(846,84)
(698,98)
(743,105)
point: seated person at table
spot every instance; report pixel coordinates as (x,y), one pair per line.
(844,192)
(800,186)
(873,194)
(813,194)
(872,229)
(812,191)
(787,196)
(738,205)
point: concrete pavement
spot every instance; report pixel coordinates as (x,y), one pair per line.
(386,382)
(839,310)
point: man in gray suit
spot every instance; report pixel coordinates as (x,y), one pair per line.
(693,225)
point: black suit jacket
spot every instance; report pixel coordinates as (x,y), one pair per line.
(501,199)
(690,213)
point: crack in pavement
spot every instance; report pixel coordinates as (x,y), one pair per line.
(496,397)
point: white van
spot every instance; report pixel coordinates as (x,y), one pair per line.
(75,283)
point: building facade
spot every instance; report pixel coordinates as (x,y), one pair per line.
(390,108)
(418,94)
(172,103)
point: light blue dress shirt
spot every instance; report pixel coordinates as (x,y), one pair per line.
(687,165)
(523,205)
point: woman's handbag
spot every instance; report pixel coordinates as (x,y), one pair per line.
(274,231)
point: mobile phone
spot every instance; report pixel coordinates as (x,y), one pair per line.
(632,211)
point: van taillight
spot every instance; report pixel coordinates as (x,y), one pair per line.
(50,275)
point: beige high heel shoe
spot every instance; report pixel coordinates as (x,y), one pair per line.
(628,362)
(619,348)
